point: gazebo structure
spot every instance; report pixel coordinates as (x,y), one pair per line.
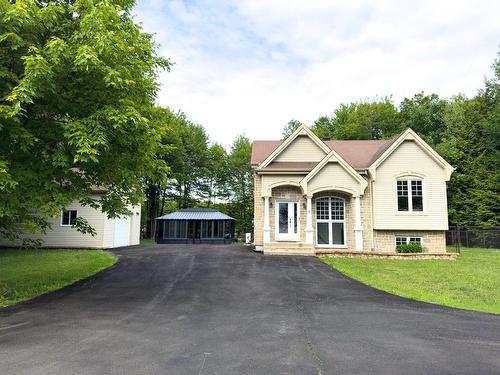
(195,225)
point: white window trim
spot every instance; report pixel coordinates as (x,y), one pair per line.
(410,211)
(407,238)
(330,221)
(61,220)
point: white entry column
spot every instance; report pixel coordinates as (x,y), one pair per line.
(309,225)
(358,227)
(267,226)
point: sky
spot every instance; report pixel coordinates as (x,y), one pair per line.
(248,67)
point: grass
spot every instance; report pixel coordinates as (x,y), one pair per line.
(25,274)
(147,241)
(471,282)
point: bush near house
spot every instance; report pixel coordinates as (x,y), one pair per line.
(25,274)
(412,247)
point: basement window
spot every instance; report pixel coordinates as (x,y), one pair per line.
(404,240)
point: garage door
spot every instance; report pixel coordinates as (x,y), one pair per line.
(122,231)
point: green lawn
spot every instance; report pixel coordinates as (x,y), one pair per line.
(25,274)
(471,282)
(147,241)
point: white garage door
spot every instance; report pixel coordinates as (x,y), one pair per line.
(122,231)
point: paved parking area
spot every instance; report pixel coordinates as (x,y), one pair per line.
(180,309)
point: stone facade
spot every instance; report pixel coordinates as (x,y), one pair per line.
(258,213)
(433,241)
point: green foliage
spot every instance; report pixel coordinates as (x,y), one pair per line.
(290,128)
(77,83)
(471,282)
(240,183)
(363,120)
(412,247)
(26,274)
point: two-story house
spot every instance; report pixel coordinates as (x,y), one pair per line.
(364,196)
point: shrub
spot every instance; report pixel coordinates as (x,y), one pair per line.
(412,247)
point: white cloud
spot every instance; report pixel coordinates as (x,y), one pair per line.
(250,66)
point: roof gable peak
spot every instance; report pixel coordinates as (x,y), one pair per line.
(302,130)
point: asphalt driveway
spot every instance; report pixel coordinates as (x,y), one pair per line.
(170,309)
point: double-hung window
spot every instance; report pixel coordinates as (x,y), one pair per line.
(68,217)
(410,197)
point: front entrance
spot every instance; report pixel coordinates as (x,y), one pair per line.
(287,221)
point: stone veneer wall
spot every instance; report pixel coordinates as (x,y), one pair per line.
(433,241)
(258,213)
(294,193)
(366,217)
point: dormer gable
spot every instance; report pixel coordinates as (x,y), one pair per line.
(410,136)
(302,146)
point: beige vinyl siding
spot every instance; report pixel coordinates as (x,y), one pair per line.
(302,149)
(68,237)
(406,162)
(333,176)
(270,181)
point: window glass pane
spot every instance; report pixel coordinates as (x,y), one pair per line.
(170,229)
(283,217)
(338,233)
(402,187)
(295,218)
(416,195)
(181,229)
(415,239)
(220,231)
(322,209)
(209,228)
(337,209)
(400,240)
(65,218)
(323,234)
(72,217)
(216,228)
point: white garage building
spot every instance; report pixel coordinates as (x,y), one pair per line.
(117,232)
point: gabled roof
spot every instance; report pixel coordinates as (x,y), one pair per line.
(410,135)
(335,157)
(195,214)
(359,154)
(302,130)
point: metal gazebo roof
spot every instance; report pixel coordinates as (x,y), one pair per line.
(195,214)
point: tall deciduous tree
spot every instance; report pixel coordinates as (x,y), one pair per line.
(240,182)
(290,128)
(78,79)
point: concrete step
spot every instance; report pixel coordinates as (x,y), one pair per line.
(288,245)
(284,251)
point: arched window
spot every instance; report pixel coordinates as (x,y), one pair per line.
(330,221)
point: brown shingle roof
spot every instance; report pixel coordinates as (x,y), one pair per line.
(360,154)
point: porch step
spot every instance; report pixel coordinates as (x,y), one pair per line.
(288,248)
(288,245)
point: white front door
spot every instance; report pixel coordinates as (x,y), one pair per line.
(287,221)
